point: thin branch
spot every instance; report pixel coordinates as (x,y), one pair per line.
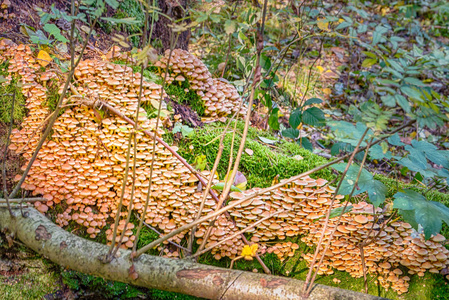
(5,153)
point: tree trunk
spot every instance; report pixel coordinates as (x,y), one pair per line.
(162,31)
(182,276)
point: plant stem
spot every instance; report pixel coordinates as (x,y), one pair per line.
(5,153)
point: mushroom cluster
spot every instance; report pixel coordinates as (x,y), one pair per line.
(303,204)
(128,237)
(23,66)
(390,245)
(4,6)
(118,85)
(82,168)
(283,250)
(220,98)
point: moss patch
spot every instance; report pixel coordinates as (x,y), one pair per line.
(260,168)
(38,279)
(6,98)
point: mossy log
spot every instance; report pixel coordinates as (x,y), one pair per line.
(182,276)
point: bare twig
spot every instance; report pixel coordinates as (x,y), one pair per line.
(5,153)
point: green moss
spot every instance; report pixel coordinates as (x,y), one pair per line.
(37,280)
(6,98)
(260,168)
(178,94)
(52,95)
(87,284)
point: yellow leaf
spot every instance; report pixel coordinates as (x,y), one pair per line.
(248,252)
(384,11)
(43,58)
(341,20)
(320,68)
(327,91)
(322,24)
(275,180)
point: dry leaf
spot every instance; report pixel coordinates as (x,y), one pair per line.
(249,151)
(43,58)
(327,91)
(322,24)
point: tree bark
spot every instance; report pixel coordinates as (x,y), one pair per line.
(161,29)
(182,276)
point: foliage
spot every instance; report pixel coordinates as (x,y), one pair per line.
(185,130)
(300,116)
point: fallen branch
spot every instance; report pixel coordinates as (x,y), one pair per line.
(182,276)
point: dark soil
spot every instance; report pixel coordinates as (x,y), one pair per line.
(13,162)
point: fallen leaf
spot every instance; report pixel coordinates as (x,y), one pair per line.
(322,24)
(249,151)
(43,58)
(327,91)
(267,141)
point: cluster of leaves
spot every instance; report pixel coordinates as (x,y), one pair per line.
(312,116)
(87,11)
(420,158)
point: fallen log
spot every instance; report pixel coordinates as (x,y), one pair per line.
(182,276)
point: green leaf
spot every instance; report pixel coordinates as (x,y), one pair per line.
(368,62)
(395,140)
(267,141)
(53,30)
(389,100)
(273,120)
(305,143)
(429,214)
(291,133)
(220,186)
(403,102)
(363,185)
(295,118)
(336,212)
(337,148)
(229,26)
(112,3)
(412,93)
(396,66)
(376,192)
(313,101)
(370,54)
(414,81)
(313,116)
(376,152)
